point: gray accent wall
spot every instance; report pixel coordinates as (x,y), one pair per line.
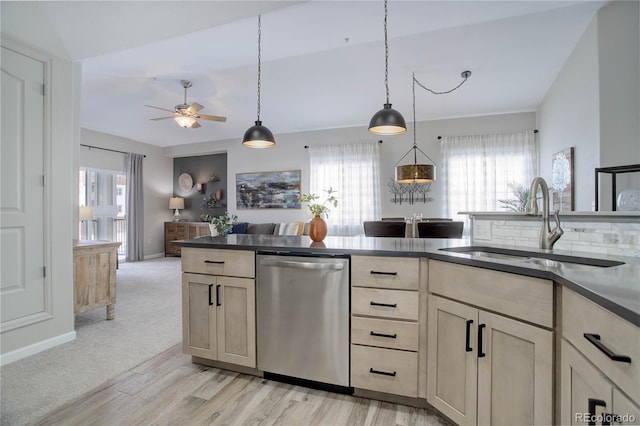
(201,169)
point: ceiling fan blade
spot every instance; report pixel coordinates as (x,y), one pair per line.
(161,118)
(196,125)
(163,109)
(194,108)
(212,118)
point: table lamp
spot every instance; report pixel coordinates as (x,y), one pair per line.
(176,203)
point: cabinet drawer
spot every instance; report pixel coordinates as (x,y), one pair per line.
(393,304)
(385,333)
(580,316)
(517,296)
(385,272)
(384,370)
(235,263)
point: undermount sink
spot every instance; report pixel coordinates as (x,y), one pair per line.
(531,257)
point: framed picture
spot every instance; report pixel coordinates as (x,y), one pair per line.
(562,181)
(268,190)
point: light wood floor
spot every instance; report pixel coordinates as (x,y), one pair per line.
(170,389)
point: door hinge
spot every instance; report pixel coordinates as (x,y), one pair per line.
(44,180)
(44,272)
(44,90)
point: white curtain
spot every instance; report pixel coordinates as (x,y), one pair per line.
(479,168)
(353,170)
(135,208)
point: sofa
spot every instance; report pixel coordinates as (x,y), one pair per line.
(271,228)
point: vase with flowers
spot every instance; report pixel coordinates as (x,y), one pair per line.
(223,224)
(317,225)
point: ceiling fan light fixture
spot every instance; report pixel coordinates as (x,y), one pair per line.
(258,136)
(387,122)
(185,121)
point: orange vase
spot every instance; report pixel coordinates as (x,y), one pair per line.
(317,229)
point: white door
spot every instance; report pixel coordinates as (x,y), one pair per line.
(22,283)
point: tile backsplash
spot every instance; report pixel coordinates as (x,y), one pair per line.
(581,233)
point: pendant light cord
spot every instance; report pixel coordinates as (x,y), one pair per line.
(465,75)
(259,56)
(386,53)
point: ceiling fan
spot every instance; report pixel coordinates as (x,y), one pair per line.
(186,115)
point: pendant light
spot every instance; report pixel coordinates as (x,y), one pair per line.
(387,121)
(415,173)
(258,136)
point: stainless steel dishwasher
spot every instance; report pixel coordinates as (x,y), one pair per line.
(303,317)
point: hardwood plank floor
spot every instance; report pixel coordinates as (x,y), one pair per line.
(170,390)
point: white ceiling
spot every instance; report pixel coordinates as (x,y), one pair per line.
(322,61)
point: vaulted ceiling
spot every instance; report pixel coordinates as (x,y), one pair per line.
(322,61)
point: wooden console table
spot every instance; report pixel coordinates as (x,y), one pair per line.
(94,276)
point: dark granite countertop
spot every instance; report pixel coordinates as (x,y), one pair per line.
(616,288)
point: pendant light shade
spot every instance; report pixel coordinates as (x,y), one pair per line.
(258,136)
(387,121)
(416,173)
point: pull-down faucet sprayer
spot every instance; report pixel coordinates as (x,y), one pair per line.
(548,237)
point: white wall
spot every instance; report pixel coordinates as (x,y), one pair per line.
(593,105)
(290,154)
(157,178)
(61,112)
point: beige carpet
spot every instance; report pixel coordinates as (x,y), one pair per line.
(148,321)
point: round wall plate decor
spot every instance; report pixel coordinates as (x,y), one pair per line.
(185,182)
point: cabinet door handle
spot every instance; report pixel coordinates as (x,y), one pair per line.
(384,373)
(387,305)
(218,295)
(390,336)
(480,353)
(210,302)
(467,343)
(215,262)
(593,403)
(383,273)
(594,339)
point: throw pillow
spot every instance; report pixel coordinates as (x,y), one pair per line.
(239,228)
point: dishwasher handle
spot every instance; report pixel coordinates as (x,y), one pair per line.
(302,265)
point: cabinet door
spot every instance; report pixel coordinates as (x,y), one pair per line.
(515,372)
(625,411)
(173,231)
(199,315)
(585,391)
(451,364)
(236,321)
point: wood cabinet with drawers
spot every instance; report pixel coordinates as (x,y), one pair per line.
(385,336)
(599,368)
(218,305)
(182,231)
(490,341)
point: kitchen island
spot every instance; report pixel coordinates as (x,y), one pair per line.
(408,323)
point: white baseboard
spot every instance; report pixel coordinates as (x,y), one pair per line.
(33,349)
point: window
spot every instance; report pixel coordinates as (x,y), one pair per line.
(353,170)
(479,169)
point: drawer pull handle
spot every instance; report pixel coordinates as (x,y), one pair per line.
(592,404)
(383,273)
(480,353)
(467,344)
(384,373)
(595,341)
(386,305)
(390,336)
(215,262)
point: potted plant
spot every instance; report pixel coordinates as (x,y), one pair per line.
(317,225)
(223,224)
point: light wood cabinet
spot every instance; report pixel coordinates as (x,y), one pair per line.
(182,231)
(94,276)
(595,385)
(385,326)
(483,367)
(218,312)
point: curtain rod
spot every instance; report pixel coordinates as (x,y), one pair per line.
(108,149)
(534,131)
(307,146)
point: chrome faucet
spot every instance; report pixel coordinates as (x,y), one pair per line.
(548,237)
